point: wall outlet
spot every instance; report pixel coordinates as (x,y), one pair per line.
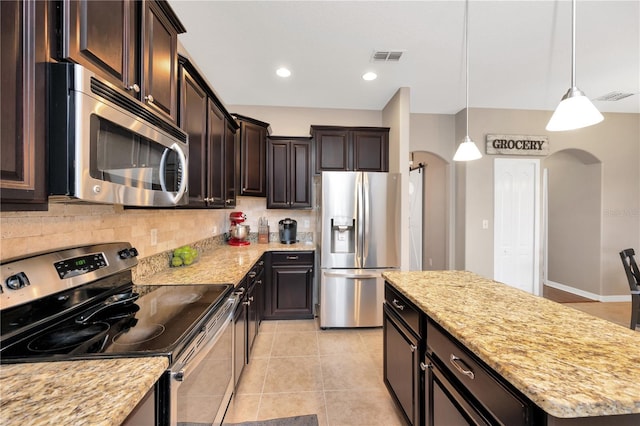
(306,223)
(214,231)
(154,237)
(485,224)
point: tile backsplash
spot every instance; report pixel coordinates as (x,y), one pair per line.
(151,231)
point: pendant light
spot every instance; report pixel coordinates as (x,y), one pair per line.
(467,150)
(575,109)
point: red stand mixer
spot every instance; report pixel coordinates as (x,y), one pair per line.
(238,232)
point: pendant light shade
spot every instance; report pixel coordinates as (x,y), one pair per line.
(575,109)
(467,150)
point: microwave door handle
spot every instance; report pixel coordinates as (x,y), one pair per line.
(183,165)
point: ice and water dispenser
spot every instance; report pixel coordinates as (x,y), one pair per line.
(343,235)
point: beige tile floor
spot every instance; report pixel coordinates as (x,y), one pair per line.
(297,369)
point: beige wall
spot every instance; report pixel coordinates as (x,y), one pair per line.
(396,116)
(615,142)
(575,209)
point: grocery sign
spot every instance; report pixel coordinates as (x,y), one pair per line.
(517,145)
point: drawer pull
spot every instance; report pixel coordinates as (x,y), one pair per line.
(464,370)
(424,366)
(292,257)
(413,347)
(397,305)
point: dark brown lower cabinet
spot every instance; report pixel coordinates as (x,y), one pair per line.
(402,365)
(289,291)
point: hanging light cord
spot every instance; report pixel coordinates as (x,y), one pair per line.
(466,60)
(573,43)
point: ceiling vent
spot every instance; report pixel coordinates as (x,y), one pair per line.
(613,96)
(387,55)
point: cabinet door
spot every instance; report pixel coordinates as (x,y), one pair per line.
(252,319)
(300,184)
(193,120)
(101,35)
(253,151)
(22,128)
(333,152)
(230,154)
(279,174)
(159,88)
(291,292)
(402,366)
(370,150)
(215,156)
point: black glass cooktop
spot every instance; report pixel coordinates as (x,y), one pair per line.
(149,320)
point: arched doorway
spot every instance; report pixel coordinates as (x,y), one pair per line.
(573,217)
(435,217)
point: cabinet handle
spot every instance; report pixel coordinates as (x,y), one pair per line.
(229,201)
(149,98)
(413,347)
(397,305)
(464,370)
(134,87)
(246,303)
(261,263)
(424,366)
(252,274)
(259,282)
(251,299)
(292,257)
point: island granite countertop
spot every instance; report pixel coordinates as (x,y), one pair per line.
(569,363)
(104,391)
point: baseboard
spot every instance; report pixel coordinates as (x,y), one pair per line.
(587,294)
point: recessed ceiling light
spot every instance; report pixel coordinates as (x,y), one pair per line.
(368,76)
(283,72)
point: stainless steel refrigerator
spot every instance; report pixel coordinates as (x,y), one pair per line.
(359,239)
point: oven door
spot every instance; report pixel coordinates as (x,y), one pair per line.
(201,380)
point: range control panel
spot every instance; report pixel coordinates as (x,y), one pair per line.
(40,275)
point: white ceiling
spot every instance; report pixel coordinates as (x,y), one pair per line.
(519,52)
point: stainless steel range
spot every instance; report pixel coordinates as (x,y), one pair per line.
(80,303)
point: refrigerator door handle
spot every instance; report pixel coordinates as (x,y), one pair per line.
(354,276)
(360,232)
(366,216)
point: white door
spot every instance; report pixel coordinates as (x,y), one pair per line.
(415,218)
(516,222)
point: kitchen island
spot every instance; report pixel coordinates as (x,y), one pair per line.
(578,368)
(105,391)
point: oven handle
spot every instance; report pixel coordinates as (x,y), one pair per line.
(197,351)
(183,167)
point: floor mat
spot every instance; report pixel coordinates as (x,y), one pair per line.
(307,420)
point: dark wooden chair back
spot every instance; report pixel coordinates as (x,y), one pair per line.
(633,276)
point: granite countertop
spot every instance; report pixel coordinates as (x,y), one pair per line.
(97,392)
(224,264)
(105,391)
(571,364)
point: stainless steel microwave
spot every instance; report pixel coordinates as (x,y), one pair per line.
(107,147)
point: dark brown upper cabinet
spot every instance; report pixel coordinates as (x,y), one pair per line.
(351,148)
(132,44)
(253,156)
(213,146)
(22,119)
(289,172)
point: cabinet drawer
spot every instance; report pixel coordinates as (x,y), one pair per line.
(292,258)
(507,407)
(403,308)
